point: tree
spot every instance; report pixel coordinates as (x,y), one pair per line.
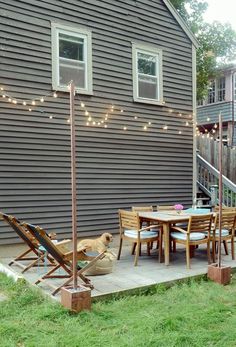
(217,41)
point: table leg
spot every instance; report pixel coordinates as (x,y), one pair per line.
(166,231)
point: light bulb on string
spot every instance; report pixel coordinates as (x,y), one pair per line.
(14,102)
(105,126)
(187,124)
(82,104)
(51,117)
(55,95)
(24,103)
(86,113)
(9,99)
(125,128)
(145,127)
(30,109)
(149,123)
(89,118)
(1,88)
(94,123)
(208,119)
(180,132)
(68,120)
(3,96)
(42,100)
(135,117)
(165,127)
(121,111)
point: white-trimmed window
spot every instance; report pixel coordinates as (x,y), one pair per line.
(221,89)
(212,92)
(71,58)
(147,74)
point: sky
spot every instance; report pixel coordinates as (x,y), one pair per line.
(221,10)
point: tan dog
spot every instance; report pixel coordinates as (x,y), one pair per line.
(100,244)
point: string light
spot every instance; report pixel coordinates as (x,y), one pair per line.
(42,99)
(145,127)
(125,128)
(82,104)
(208,119)
(86,113)
(51,117)
(55,95)
(165,127)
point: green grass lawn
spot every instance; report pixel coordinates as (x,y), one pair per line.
(191,314)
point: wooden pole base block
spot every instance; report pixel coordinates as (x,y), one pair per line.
(221,275)
(76,300)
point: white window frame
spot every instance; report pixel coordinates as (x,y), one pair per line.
(142,48)
(221,89)
(57,28)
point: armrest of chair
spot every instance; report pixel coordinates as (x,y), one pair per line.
(147,228)
(63,242)
(174,228)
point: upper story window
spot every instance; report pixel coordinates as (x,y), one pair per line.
(221,89)
(212,92)
(147,74)
(71,58)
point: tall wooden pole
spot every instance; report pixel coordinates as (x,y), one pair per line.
(73,183)
(220,189)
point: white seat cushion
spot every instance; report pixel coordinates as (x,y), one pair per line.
(143,234)
(224,232)
(193,236)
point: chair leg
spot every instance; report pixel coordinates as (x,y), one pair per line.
(119,252)
(213,251)
(160,247)
(232,248)
(133,248)
(174,246)
(148,248)
(137,253)
(188,256)
(226,247)
(208,252)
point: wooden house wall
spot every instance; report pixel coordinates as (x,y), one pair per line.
(116,168)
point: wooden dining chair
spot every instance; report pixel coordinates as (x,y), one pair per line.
(131,230)
(226,209)
(158,227)
(165,207)
(228,225)
(196,233)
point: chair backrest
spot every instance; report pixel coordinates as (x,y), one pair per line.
(142,208)
(228,220)
(200,223)
(165,207)
(129,220)
(224,208)
(46,242)
(20,230)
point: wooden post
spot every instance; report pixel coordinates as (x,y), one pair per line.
(73,183)
(220,189)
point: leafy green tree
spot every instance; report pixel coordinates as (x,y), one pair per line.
(217,41)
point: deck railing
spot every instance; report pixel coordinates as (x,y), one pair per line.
(208,177)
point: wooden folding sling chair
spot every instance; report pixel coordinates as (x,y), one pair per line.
(38,258)
(63,260)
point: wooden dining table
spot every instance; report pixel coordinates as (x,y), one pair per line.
(166,219)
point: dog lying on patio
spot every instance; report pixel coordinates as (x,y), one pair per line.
(99,244)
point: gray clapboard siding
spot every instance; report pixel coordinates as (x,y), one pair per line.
(115,169)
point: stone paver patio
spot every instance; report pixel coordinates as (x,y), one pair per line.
(125,276)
